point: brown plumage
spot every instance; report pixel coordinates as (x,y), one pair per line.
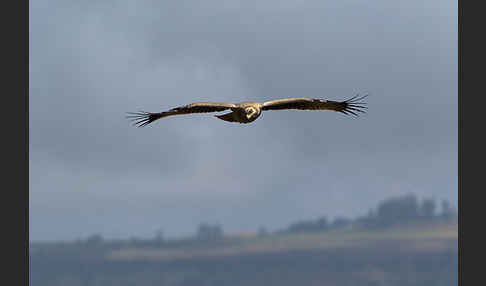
(247,112)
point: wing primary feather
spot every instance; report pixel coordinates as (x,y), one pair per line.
(356,99)
(357,110)
(354,105)
(142,118)
(352,98)
(348,110)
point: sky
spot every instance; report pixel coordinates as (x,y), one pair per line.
(92,172)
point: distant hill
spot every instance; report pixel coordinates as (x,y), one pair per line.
(401,242)
(413,254)
(418,237)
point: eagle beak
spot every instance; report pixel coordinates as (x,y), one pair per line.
(248,116)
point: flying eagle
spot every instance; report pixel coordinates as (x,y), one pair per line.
(247,112)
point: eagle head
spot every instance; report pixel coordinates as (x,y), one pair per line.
(250,112)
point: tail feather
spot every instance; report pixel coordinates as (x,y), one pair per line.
(227,117)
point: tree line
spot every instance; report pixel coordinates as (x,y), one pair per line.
(390,212)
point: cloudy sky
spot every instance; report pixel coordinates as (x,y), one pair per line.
(92,61)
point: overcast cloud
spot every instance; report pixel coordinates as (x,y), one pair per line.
(91,61)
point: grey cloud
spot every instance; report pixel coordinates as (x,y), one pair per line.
(90,62)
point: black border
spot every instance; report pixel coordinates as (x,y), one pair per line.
(470,121)
(15,128)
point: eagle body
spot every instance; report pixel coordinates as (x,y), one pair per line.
(247,112)
(244,112)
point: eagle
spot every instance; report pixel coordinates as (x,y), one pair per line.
(247,112)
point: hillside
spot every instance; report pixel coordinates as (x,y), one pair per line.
(400,242)
(424,237)
(415,254)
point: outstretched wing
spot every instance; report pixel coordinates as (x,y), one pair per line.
(350,106)
(143,118)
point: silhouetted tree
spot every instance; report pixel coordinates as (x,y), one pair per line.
(397,210)
(159,235)
(447,211)
(322,224)
(262,231)
(209,232)
(340,222)
(302,226)
(95,239)
(369,220)
(427,209)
